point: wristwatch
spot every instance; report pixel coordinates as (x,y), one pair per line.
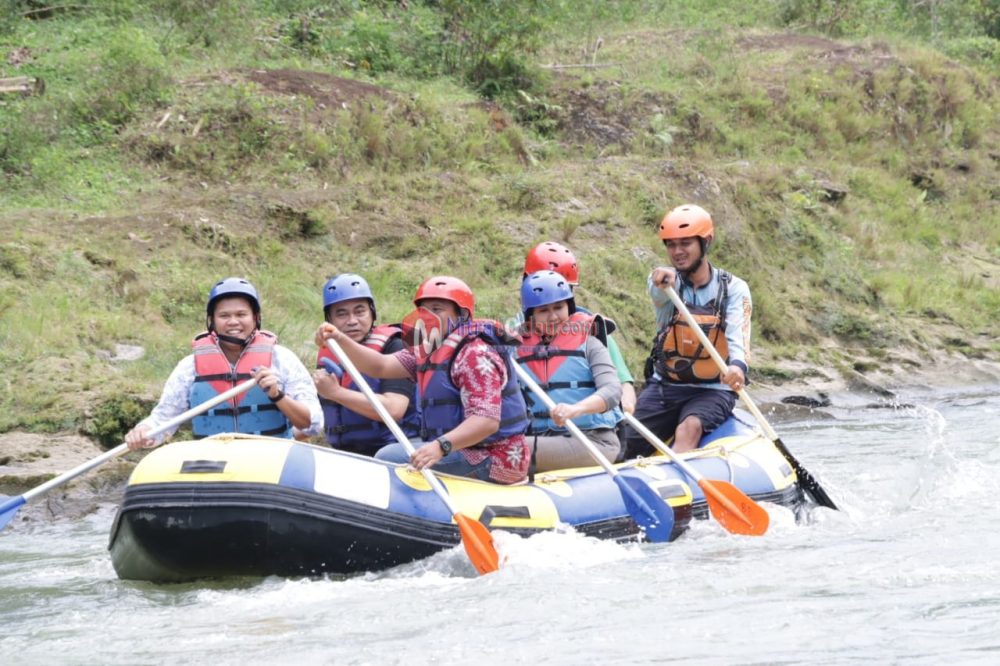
(445,445)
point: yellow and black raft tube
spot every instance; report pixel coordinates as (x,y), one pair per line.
(238,505)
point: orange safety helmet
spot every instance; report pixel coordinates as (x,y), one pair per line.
(551,256)
(449,289)
(687,221)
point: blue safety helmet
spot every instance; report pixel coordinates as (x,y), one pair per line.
(228,288)
(346,287)
(545,287)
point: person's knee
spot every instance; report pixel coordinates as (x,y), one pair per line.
(690,428)
(392,453)
(612,453)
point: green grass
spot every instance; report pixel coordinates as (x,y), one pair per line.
(116,218)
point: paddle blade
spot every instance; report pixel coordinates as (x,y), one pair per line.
(478,544)
(733,509)
(806,480)
(653,515)
(9,509)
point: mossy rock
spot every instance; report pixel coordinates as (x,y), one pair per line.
(112,418)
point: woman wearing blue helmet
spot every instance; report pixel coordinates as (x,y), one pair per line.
(564,351)
(350,422)
(231,350)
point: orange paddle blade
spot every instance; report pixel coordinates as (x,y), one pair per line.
(733,509)
(478,544)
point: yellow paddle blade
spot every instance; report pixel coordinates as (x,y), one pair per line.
(478,544)
(733,509)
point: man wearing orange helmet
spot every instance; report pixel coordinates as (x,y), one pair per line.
(552,256)
(686,396)
(472,413)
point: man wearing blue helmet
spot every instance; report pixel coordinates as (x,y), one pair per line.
(564,351)
(233,349)
(350,422)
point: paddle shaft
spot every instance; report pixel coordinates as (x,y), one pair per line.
(653,515)
(810,483)
(123,448)
(572,427)
(663,448)
(387,419)
(726,503)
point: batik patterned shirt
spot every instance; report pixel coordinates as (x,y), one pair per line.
(480,374)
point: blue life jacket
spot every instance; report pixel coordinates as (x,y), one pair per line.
(252,412)
(349,431)
(562,370)
(440,400)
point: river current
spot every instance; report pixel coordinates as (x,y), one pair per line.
(907,572)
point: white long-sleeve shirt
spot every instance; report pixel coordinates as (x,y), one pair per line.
(293,377)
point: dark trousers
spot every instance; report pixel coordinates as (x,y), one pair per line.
(661,406)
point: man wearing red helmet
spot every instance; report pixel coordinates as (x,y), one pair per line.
(552,256)
(472,413)
(686,396)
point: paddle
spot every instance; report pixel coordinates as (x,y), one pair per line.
(653,515)
(810,484)
(10,508)
(476,538)
(728,504)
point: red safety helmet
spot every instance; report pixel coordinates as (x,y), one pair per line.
(687,221)
(447,288)
(551,256)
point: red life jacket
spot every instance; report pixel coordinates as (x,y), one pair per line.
(251,412)
(561,369)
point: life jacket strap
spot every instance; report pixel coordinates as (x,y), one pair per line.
(244,409)
(223,376)
(545,353)
(340,429)
(572,385)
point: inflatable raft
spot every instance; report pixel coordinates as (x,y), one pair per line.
(236,505)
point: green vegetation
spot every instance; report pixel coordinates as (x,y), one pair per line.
(849,150)
(113,418)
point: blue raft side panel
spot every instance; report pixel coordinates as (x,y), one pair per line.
(300,469)
(740,424)
(603,500)
(593,498)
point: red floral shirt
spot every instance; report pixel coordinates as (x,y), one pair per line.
(480,375)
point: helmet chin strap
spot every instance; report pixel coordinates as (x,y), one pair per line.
(231,339)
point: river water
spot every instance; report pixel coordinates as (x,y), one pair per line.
(908,572)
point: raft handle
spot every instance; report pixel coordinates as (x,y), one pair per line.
(203,466)
(492,511)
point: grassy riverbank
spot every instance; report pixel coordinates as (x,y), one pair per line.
(852,165)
